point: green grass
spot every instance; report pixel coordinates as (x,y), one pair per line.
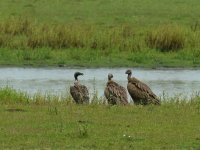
(103,12)
(90,58)
(100,33)
(60,124)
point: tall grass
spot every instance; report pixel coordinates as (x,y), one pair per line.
(28,42)
(16,26)
(166,38)
(82,36)
(24,33)
(9,95)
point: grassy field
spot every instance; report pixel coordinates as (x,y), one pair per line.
(44,122)
(103,33)
(100,33)
(87,58)
(105,12)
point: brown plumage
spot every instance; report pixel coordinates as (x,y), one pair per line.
(115,93)
(140,92)
(79,92)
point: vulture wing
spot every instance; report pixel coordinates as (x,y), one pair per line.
(115,93)
(140,91)
(79,93)
(143,87)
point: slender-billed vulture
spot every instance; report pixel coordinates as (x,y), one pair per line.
(140,92)
(79,92)
(114,93)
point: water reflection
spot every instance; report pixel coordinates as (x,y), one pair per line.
(58,80)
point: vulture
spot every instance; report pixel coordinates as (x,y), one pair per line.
(140,92)
(79,92)
(114,93)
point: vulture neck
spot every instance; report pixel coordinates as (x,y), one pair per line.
(109,80)
(76,78)
(76,83)
(129,76)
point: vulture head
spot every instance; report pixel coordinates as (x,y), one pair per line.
(76,74)
(110,76)
(129,72)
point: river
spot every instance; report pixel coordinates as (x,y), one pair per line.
(172,82)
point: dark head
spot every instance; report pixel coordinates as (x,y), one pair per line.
(129,72)
(110,76)
(76,74)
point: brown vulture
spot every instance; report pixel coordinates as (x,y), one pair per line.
(79,92)
(114,93)
(140,92)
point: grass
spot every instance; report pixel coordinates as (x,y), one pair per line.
(64,125)
(103,12)
(94,33)
(22,33)
(166,38)
(101,33)
(89,58)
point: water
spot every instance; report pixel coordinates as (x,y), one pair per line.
(57,80)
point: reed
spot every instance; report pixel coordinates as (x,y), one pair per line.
(166,38)
(24,33)
(16,26)
(9,95)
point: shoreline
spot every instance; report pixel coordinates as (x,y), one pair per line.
(99,67)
